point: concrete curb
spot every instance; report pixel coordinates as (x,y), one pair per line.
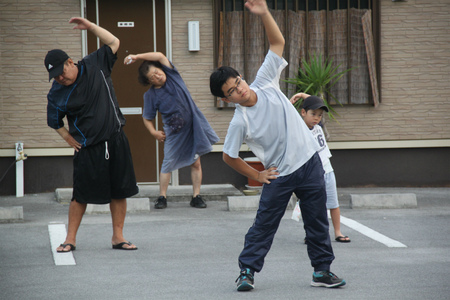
(63,195)
(407,200)
(243,203)
(247,203)
(133,205)
(182,193)
(11,214)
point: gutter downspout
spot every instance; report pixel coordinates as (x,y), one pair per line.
(168,12)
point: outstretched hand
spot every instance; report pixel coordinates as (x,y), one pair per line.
(257,7)
(82,23)
(295,98)
(298,96)
(129,59)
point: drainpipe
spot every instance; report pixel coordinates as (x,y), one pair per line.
(168,15)
(20,157)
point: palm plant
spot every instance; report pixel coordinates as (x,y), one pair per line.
(317,78)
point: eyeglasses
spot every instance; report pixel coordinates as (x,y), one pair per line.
(237,83)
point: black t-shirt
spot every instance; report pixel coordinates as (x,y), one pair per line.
(90,103)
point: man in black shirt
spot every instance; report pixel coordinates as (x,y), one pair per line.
(103,168)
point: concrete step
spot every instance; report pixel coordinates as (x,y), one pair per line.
(182,193)
(236,200)
(11,214)
(245,203)
(143,201)
(133,205)
(400,200)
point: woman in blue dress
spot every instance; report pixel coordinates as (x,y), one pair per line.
(186,133)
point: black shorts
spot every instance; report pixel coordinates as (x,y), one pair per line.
(104,171)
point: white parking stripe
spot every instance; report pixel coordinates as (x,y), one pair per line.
(57,233)
(371,233)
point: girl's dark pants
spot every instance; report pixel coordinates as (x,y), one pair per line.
(309,186)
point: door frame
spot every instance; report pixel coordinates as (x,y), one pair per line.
(168,25)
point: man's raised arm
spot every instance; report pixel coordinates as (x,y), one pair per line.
(104,35)
(274,35)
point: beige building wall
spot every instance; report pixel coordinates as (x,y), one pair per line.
(415,74)
(415,62)
(196,67)
(28,29)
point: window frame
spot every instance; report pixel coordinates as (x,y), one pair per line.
(299,5)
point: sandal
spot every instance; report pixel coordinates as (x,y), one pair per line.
(342,239)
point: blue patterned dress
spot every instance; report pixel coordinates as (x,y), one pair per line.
(188,133)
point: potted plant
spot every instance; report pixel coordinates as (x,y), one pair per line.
(317,77)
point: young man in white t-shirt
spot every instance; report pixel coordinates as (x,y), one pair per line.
(269,124)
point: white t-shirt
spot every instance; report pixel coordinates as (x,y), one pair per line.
(324,151)
(272,128)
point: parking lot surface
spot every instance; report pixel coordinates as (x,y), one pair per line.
(188,253)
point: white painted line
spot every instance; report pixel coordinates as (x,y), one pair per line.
(371,233)
(57,233)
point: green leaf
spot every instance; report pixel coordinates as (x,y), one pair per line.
(317,77)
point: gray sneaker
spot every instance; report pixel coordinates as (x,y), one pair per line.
(245,281)
(326,279)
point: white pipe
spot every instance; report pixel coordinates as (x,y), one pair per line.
(19,169)
(83,32)
(157,118)
(97,16)
(154,27)
(168,14)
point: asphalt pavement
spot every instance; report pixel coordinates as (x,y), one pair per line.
(189,253)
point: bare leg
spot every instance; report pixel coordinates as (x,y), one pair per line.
(196,176)
(336,219)
(76,212)
(118,209)
(164,179)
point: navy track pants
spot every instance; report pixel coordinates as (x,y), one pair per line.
(309,186)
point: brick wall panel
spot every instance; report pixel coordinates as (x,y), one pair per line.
(28,29)
(415,70)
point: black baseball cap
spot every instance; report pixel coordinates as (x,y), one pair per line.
(313,103)
(54,62)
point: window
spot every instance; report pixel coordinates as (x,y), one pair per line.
(346,31)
